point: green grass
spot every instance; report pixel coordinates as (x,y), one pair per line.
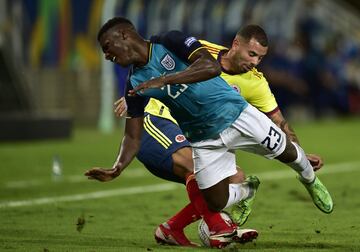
(283,213)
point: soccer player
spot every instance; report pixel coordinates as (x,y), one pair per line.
(214,118)
(170,157)
(249,46)
(238,69)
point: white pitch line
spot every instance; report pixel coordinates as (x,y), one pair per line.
(329,169)
(130,173)
(93,195)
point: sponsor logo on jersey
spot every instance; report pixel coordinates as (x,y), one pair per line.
(168,62)
(180,138)
(236,88)
(189,41)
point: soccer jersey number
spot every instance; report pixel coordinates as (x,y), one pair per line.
(272,140)
(174,93)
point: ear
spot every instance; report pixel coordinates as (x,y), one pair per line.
(123,34)
(127,34)
(235,42)
(120,33)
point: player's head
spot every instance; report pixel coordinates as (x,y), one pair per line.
(250,45)
(117,38)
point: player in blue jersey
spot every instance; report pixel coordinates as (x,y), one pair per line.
(214,119)
(178,157)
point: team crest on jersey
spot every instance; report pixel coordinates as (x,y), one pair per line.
(168,62)
(180,138)
(236,88)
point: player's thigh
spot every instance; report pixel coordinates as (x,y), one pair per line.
(213,162)
(183,164)
(161,139)
(254,132)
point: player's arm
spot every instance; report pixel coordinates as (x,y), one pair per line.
(280,121)
(202,66)
(128,149)
(277,117)
(130,143)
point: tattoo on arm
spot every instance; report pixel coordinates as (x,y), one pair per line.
(285,126)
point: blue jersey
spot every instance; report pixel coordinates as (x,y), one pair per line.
(202,109)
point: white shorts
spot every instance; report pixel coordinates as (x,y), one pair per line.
(214,159)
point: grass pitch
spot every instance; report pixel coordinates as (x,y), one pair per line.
(70,213)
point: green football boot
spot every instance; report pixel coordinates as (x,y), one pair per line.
(240,211)
(319,194)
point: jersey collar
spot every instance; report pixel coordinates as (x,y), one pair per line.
(150,52)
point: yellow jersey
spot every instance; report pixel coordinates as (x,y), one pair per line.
(252,85)
(157,108)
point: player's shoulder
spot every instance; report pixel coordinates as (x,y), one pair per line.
(172,35)
(253,76)
(211,45)
(213,49)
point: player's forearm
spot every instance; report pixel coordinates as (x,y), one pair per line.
(285,126)
(130,144)
(280,121)
(128,150)
(203,68)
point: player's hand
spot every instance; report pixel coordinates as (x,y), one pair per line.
(120,107)
(153,83)
(102,174)
(315,160)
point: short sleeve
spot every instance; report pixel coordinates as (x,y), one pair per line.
(135,104)
(179,43)
(262,98)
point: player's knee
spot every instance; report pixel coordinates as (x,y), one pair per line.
(182,170)
(239,177)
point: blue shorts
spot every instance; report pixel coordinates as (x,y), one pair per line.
(160,139)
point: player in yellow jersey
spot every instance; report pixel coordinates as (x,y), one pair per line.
(252,84)
(238,69)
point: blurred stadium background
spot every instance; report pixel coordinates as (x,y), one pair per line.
(56,86)
(51,65)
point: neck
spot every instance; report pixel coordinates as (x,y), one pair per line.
(225,63)
(143,48)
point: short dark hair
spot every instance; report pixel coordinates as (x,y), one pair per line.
(113,22)
(253,31)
